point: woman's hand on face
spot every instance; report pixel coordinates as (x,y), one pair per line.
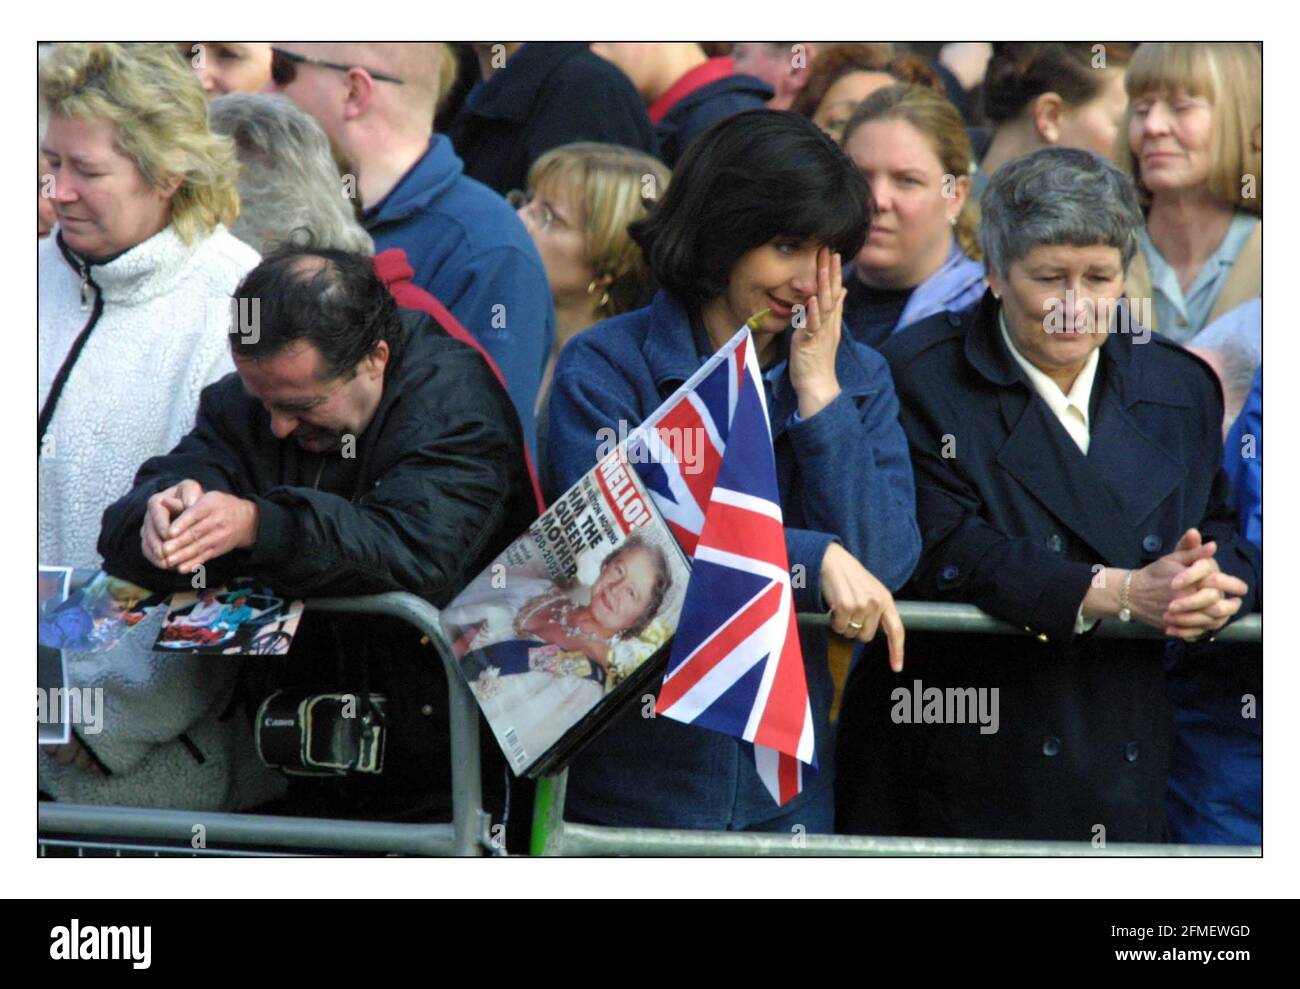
(816,338)
(860,603)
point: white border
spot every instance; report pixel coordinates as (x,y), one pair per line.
(28,876)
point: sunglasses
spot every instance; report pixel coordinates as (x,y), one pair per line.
(284,67)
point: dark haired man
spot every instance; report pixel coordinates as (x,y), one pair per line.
(358,449)
(375,102)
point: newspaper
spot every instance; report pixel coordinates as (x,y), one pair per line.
(572,620)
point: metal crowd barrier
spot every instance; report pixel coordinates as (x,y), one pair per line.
(96,830)
(553,836)
(80,829)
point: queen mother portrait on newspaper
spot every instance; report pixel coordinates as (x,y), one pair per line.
(541,653)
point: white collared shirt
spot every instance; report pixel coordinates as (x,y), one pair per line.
(1071,410)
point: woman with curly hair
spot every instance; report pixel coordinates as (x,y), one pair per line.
(846,74)
(134,300)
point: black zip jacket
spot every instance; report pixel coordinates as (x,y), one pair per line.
(437,486)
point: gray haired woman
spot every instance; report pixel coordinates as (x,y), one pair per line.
(290,189)
(1068,470)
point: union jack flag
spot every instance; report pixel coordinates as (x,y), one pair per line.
(736,666)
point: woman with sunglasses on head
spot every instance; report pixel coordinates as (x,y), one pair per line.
(760,212)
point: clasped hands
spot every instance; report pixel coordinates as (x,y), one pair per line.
(184,526)
(1184,593)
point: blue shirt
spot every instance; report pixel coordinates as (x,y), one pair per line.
(469,249)
(1243,462)
(957,285)
(1216,780)
(1181,315)
(844,475)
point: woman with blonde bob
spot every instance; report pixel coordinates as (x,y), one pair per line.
(921,256)
(134,300)
(580,199)
(1193,141)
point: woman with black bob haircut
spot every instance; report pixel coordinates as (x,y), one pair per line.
(753,182)
(760,212)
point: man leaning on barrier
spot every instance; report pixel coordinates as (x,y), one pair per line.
(358,449)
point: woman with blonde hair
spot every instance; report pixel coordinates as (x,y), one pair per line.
(921,256)
(580,199)
(134,289)
(1194,146)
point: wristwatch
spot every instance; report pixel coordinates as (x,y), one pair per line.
(1125,612)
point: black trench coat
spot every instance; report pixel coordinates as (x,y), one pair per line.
(1014,517)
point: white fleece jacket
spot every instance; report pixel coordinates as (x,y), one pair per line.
(132,394)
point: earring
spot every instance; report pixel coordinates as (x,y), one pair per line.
(604,299)
(952,221)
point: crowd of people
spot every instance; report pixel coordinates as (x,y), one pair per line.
(1006,299)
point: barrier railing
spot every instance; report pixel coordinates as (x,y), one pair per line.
(114,830)
(554,836)
(140,830)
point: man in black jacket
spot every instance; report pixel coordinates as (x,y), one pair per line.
(357,450)
(537,96)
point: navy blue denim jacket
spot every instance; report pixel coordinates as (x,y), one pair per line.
(469,250)
(844,475)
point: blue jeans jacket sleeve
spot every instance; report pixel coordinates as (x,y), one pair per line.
(857,490)
(589,396)
(1243,460)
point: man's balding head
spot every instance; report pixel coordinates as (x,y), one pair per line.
(325,327)
(410,105)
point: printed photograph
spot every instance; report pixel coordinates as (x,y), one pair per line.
(96,612)
(242,620)
(51,671)
(540,652)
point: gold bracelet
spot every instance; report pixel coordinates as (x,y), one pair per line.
(1125,612)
